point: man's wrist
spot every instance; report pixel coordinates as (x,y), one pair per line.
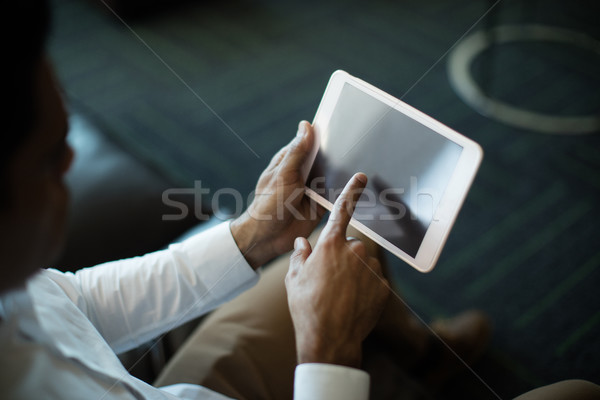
(315,351)
(249,241)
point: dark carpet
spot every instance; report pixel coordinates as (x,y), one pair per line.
(526,246)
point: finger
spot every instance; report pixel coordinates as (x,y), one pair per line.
(375,267)
(299,147)
(302,250)
(357,247)
(344,205)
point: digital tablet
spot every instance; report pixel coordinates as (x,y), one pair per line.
(419,170)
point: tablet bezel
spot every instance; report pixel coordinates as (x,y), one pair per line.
(456,190)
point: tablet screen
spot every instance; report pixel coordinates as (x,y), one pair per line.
(408,165)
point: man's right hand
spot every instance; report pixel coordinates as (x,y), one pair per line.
(336,292)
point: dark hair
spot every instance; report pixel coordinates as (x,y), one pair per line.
(23,43)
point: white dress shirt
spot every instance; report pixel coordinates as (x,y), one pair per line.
(60,334)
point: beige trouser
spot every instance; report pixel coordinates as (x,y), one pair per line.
(246,348)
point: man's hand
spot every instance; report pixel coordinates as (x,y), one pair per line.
(280,211)
(335,291)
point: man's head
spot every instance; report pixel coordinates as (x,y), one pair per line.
(34,153)
(23,47)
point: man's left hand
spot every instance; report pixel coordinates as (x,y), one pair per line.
(280,211)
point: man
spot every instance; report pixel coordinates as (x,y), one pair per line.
(59,332)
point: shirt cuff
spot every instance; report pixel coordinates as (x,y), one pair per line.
(330,382)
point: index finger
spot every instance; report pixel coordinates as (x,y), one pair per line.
(345,204)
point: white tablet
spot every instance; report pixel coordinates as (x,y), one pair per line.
(419,170)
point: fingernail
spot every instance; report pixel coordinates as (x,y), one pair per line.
(301,129)
(361,177)
(297,243)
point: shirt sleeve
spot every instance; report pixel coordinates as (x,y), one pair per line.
(314,381)
(132,301)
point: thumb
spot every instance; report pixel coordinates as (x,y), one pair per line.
(299,147)
(302,250)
